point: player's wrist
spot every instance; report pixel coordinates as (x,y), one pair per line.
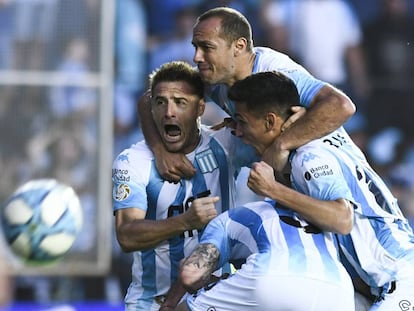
(158,149)
(166,308)
(183,223)
(279,144)
(169,304)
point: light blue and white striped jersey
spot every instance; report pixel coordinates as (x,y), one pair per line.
(380,247)
(274,241)
(308,86)
(137,184)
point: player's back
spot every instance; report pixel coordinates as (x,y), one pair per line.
(290,264)
(295,256)
(281,241)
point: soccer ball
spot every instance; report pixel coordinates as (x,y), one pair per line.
(41,220)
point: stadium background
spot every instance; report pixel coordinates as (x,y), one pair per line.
(70,74)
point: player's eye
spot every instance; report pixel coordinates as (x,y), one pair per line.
(160,102)
(181,102)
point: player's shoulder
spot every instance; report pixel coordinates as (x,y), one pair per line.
(316,151)
(269,59)
(137,153)
(262,51)
(258,210)
(206,130)
(222,136)
(315,144)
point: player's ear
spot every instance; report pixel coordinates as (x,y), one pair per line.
(201,107)
(270,121)
(273,123)
(239,45)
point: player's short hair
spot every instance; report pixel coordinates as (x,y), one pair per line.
(234,25)
(177,71)
(266,91)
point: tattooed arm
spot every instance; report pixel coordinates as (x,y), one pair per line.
(196,269)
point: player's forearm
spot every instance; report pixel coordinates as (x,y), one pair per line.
(330,110)
(152,138)
(174,295)
(333,216)
(198,267)
(143,234)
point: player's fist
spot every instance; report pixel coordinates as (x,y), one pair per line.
(261,179)
(201,211)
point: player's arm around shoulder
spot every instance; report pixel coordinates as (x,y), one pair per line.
(329,110)
(332,108)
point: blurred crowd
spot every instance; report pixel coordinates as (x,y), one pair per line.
(365,48)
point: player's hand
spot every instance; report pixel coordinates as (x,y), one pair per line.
(174,166)
(201,211)
(298,112)
(261,179)
(227,122)
(276,157)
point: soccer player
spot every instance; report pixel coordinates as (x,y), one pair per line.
(325,174)
(224,54)
(160,221)
(291,265)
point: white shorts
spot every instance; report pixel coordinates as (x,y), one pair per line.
(241,292)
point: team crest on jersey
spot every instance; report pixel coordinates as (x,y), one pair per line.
(122,192)
(206,161)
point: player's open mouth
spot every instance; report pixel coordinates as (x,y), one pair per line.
(172,132)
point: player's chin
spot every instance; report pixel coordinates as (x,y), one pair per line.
(174,146)
(207,77)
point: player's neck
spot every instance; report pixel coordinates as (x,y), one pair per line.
(194,143)
(246,66)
